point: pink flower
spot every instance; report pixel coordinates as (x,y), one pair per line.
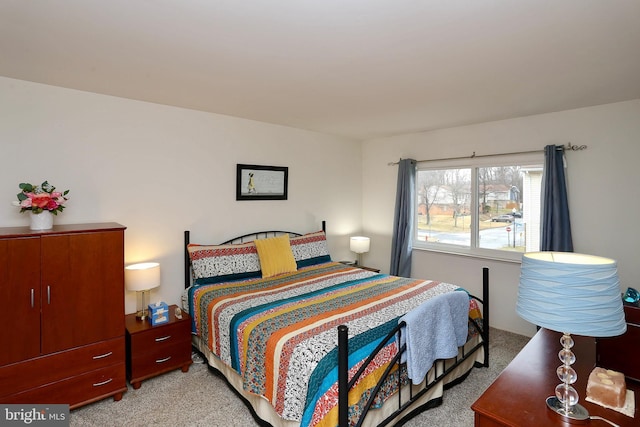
(40,200)
(25,204)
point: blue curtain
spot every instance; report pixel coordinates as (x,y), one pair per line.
(403,219)
(555,225)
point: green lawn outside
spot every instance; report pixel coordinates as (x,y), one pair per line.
(448,223)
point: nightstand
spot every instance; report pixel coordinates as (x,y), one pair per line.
(353,264)
(154,350)
(375,270)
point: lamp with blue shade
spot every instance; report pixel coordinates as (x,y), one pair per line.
(570,293)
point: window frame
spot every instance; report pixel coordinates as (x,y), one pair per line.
(524,160)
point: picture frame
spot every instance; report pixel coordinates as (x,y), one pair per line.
(259,182)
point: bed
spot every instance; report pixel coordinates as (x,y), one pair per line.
(307,341)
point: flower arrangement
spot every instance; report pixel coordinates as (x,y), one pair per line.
(39,198)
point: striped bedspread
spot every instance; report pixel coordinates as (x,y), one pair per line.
(280,334)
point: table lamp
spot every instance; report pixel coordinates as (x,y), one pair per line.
(359,245)
(141,278)
(570,293)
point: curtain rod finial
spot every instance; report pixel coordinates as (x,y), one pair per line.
(569,146)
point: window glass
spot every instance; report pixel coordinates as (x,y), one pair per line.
(505,221)
(444,206)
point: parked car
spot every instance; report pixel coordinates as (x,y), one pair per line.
(516,214)
(502,218)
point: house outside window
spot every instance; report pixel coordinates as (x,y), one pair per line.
(487,207)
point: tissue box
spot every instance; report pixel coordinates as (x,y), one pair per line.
(158,313)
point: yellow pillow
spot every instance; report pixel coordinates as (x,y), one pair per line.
(275,256)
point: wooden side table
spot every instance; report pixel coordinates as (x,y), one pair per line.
(353,264)
(375,270)
(154,350)
(517,397)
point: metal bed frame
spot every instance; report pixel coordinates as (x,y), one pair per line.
(344,384)
(441,371)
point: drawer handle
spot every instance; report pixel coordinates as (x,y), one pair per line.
(32,297)
(163,360)
(163,338)
(102,356)
(103,382)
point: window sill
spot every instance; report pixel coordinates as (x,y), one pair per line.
(515,257)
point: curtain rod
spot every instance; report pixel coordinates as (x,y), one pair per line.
(568,147)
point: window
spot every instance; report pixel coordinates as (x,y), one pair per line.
(480,207)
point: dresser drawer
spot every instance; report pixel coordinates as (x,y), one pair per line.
(632,314)
(54,367)
(159,337)
(619,353)
(78,390)
(165,359)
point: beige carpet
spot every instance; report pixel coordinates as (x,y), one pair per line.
(201,398)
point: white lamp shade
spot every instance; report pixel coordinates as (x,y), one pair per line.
(359,244)
(571,293)
(143,276)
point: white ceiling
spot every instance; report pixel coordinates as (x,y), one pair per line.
(360,68)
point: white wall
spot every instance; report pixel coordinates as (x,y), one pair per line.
(161,170)
(603,193)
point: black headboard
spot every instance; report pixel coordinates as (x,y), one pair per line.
(240,239)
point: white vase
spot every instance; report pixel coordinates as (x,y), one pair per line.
(41,221)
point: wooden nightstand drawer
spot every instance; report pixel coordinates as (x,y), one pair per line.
(160,336)
(162,360)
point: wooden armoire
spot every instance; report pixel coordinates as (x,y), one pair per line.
(62,334)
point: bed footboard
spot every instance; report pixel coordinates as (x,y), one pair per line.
(344,384)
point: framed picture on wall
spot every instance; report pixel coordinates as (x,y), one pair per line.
(257,182)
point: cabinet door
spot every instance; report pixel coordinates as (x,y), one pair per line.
(82,289)
(20,296)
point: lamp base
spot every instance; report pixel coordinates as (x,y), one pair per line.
(577,414)
(142,301)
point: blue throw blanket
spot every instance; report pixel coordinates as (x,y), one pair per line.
(434,330)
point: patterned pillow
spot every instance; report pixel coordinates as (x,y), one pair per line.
(218,263)
(310,249)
